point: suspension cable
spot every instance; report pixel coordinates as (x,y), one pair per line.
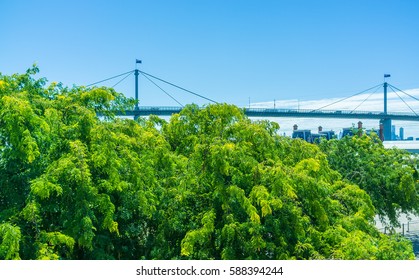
(417,99)
(347,98)
(378,87)
(161,89)
(110,78)
(403,100)
(203,97)
(122,79)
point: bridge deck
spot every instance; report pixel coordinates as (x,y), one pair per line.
(271,112)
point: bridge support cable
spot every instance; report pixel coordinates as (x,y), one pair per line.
(403,100)
(161,89)
(411,96)
(378,87)
(120,81)
(176,86)
(343,99)
(111,78)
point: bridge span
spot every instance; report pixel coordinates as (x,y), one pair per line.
(276,112)
(385,118)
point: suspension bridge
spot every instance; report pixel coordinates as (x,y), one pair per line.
(385,118)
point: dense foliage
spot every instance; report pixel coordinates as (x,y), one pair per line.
(389,176)
(208,184)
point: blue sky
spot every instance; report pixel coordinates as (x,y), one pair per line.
(230,51)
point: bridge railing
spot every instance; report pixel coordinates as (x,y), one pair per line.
(277,112)
(160,108)
(408,228)
(347,112)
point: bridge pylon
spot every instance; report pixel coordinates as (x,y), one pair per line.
(386,121)
(136,73)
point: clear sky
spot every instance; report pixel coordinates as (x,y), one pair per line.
(230,50)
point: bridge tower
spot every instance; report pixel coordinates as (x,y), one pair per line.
(136,73)
(386,121)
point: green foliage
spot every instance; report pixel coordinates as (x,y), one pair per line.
(78,183)
(52,245)
(389,176)
(10,237)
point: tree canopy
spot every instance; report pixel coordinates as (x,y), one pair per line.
(76,182)
(389,176)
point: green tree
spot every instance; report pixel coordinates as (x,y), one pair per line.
(78,183)
(389,176)
(261,196)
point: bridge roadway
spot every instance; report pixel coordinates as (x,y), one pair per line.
(274,112)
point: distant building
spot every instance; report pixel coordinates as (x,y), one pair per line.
(310,137)
(329,134)
(347,132)
(303,134)
(393,132)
